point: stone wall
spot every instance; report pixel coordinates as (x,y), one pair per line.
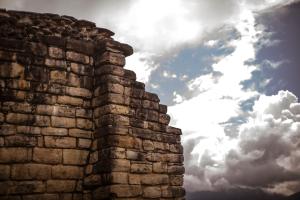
(74,123)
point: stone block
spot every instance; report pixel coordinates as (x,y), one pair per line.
(176,180)
(53,63)
(63,122)
(41,196)
(67,100)
(172,191)
(154,179)
(55,52)
(49,156)
(60,142)
(116,178)
(38,49)
(20,140)
(54,131)
(148,145)
(84,123)
(134,179)
(152,192)
(92,180)
(78,92)
(30,172)
(30,130)
(111,58)
(18,118)
(126,190)
(60,186)
(63,111)
(77,57)
(40,120)
(141,168)
(176,169)
(11,70)
(67,172)
(134,155)
(84,113)
(57,76)
(119,165)
(75,157)
(27,187)
(4,172)
(160,167)
(124,141)
(36,73)
(7,129)
(164,119)
(80,133)
(84,143)
(81,69)
(14,155)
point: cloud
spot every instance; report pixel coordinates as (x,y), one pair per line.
(260,149)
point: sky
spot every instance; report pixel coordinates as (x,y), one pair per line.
(228,70)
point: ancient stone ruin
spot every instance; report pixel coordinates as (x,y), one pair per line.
(74,123)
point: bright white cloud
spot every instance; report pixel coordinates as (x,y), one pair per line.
(266,144)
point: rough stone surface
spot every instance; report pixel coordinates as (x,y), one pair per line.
(74,124)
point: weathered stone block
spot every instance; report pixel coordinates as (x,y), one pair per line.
(134,179)
(17,118)
(4,172)
(49,156)
(10,155)
(176,180)
(117,178)
(41,196)
(80,133)
(154,179)
(84,123)
(175,169)
(77,57)
(172,191)
(111,58)
(141,168)
(30,130)
(81,69)
(7,129)
(119,165)
(84,143)
(160,167)
(84,113)
(75,157)
(55,63)
(11,70)
(62,122)
(30,172)
(60,186)
(55,52)
(58,76)
(126,190)
(60,142)
(27,187)
(78,92)
(67,172)
(70,100)
(20,140)
(152,192)
(54,131)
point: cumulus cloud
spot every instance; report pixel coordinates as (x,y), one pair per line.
(261,149)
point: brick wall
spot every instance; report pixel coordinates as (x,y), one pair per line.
(74,123)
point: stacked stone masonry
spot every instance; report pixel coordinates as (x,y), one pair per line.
(74,123)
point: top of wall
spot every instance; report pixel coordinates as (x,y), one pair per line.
(37,27)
